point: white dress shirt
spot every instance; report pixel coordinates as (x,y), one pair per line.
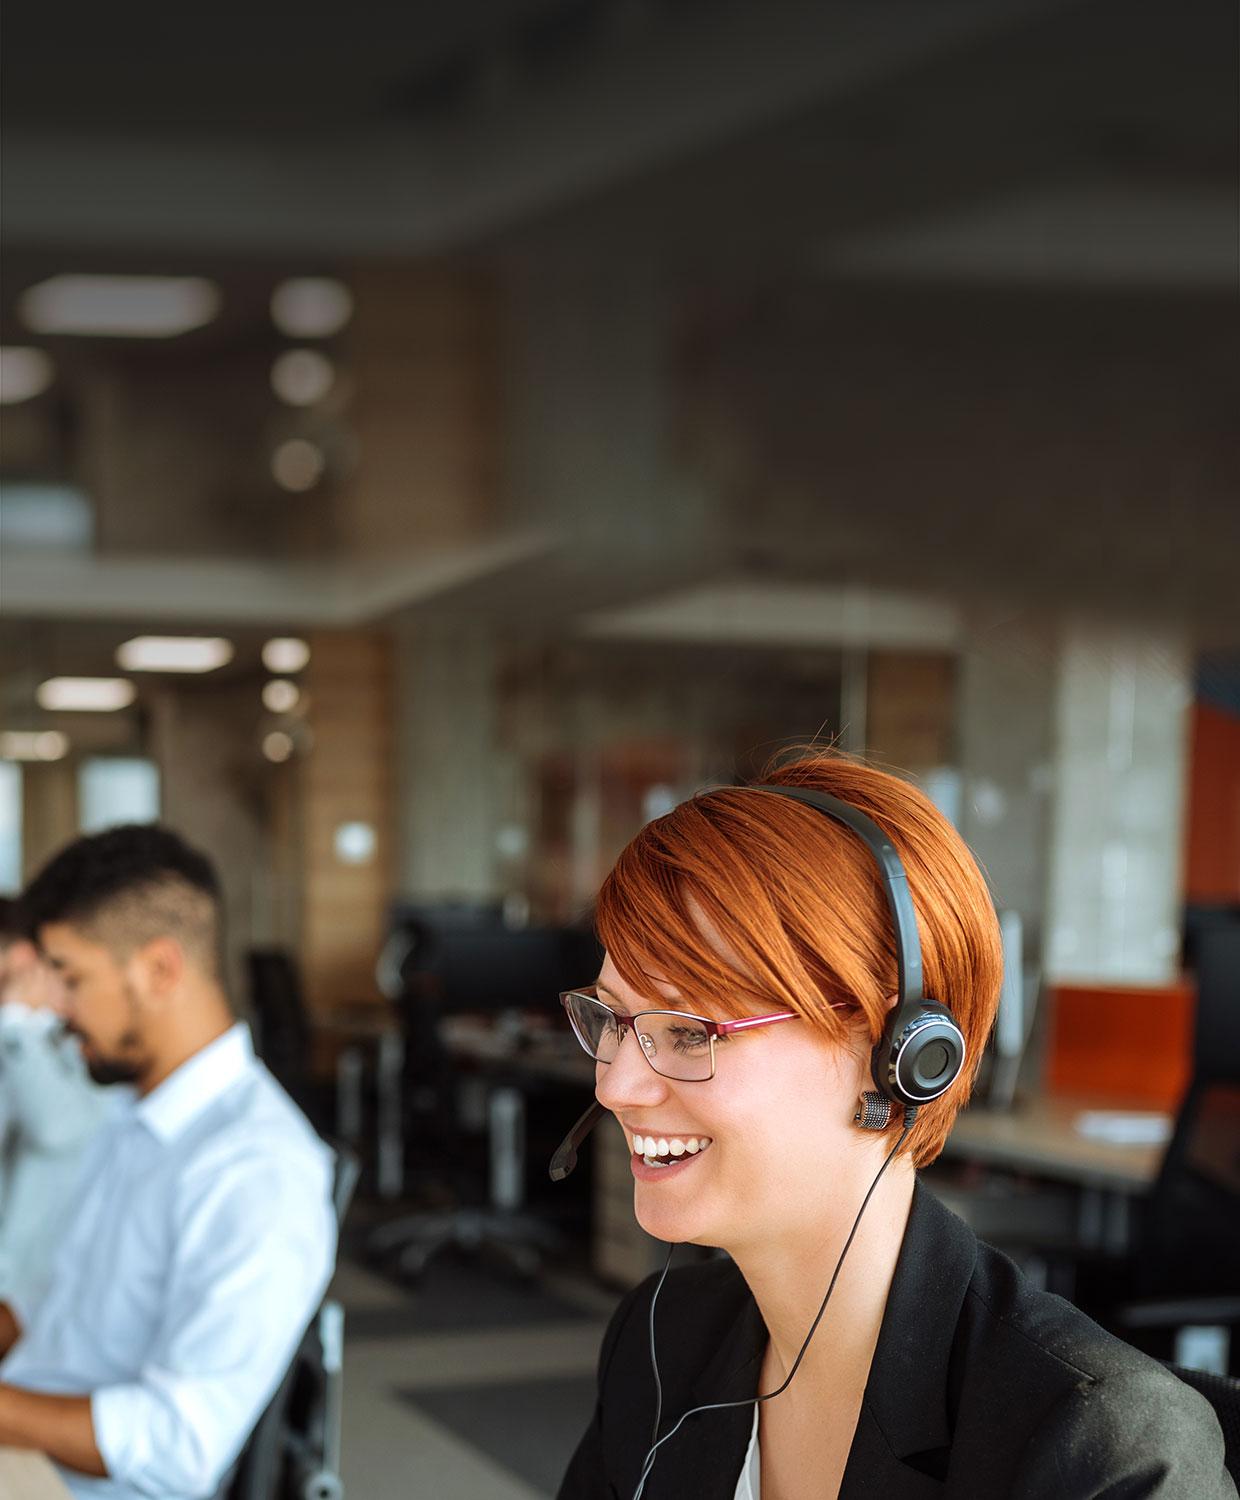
(203,1241)
(49,1111)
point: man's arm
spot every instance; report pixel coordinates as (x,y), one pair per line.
(60,1426)
(10,1328)
(51,1103)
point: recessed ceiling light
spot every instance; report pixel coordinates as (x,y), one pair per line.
(280,696)
(297,465)
(277,745)
(33,744)
(85,694)
(302,376)
(174,653)
(311,307)
(285,653)
(24,373)
(143,307)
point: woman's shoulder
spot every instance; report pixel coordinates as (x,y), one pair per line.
(1101,1406)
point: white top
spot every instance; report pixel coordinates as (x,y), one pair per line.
(49,1111)
(749,1485)
(201,1246)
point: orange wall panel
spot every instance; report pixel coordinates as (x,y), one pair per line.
(1121,1043)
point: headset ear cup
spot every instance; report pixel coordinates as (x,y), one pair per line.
(920,1054)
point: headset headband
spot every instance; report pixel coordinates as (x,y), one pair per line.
(891,873)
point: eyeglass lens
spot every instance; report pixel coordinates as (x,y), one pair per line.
(675,1046)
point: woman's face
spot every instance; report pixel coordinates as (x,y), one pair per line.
(784,1154)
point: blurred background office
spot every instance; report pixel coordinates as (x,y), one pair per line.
(436,439)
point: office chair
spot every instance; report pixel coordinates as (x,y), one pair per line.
(293,1453)
(461,959)
(1223,1394)
(1183,1284)
(283,1036)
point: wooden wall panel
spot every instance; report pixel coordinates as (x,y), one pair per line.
(346,776)
(910,710)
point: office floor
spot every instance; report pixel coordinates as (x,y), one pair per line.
(468,1387)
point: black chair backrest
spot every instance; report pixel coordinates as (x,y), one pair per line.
(1216,1040)
(259,1471)
(1223,1394)
(1190,1238)
(280,1010)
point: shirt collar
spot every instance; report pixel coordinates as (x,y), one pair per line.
(201,1079)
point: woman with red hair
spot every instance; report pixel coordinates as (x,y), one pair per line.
(757,953)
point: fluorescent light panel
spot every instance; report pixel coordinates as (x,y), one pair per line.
(174,653)
(147,307)
(85,694)
(33,744)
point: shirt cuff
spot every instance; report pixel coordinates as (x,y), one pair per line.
(119,1431)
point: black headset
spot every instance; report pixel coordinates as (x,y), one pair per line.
(921,1050)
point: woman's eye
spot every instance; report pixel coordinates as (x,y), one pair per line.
(687,1038)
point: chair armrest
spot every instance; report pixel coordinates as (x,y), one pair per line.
(1178,1312)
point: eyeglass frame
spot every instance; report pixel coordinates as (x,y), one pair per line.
(714,1029)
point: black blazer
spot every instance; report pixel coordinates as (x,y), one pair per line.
(981,1388)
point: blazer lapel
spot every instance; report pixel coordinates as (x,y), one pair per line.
(704,1458)
(904,1433)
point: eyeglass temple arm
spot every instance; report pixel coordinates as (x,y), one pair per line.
(565,1158)
(747,1022)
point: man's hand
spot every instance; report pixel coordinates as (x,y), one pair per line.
(37,987)
(60,1426)
(10,1328)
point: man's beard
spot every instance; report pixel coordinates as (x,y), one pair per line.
(109,1070)
(116,1069)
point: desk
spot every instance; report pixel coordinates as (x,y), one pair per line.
(541,1052)
(514,1052)
(26,1475)
(1038,1138)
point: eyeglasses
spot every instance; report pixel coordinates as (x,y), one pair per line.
(675,1043)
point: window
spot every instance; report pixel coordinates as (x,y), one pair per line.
(10,827)
(115,789)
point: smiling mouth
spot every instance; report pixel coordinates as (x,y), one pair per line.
(662,1151)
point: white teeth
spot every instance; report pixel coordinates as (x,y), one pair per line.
(651,1147)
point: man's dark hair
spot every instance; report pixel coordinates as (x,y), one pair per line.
(14,924)
(128,885)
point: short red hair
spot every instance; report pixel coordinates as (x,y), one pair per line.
(797,902)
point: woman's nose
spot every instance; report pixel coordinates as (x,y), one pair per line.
(629,1080)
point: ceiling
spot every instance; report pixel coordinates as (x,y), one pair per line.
(1066,152)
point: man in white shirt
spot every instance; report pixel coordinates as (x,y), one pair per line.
(49,1110)
(205,1233)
